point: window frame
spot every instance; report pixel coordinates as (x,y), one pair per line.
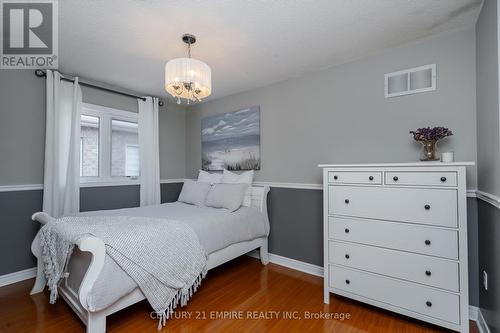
(106,115)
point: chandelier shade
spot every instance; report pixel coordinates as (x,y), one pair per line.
(188,78)
(180,72)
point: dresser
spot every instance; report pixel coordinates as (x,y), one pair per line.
(395,236)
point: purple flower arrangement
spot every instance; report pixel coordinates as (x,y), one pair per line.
(431,134)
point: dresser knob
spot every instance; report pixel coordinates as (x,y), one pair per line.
(428,303)
(335,177)
(347,281)
(427,207)
(395,178)
(427,242)
(346,230)
(347,256)
(370,178)
(346,201)
(443,179)
(428,273)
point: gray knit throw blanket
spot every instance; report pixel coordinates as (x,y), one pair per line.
(164,258)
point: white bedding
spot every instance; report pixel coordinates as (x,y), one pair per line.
(216,229)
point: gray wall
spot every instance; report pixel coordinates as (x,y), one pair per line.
(488,157)
(473,250)
(108,99)
(22,127)
(172,142)
(488,160)
(489,260)
(340,115)
(18,230)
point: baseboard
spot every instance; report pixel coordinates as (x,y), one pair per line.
(473,312)
(17,276)
(291,263)
(481,323)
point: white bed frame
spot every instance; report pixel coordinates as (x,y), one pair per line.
(77,299)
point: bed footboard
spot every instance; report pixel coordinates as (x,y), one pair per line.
(88,244)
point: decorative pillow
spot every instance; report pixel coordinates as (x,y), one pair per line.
(208,177)
(228,196)
(194,193)
(245,177)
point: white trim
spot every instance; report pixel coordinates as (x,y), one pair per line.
(99,110)
(106,115)
(291,185)
(471,193)
(17,276)
(173,180)
(110,183)
(482,326)
(489,198)
(21,187)
(292,263)
(473,312)
(403,164)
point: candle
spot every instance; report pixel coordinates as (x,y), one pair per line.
(448,156)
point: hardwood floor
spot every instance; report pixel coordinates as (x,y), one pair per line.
(242,287)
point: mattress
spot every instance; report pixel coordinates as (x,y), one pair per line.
(216,229)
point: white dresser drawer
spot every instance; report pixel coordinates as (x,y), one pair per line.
(421,178)
(414,205)
(355,177)
(418,268)
(399,236)
(413,297)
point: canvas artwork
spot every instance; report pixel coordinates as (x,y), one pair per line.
(231,140)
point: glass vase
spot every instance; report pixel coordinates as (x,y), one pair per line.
(429,150)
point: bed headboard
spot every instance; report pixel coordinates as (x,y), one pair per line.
(259,198)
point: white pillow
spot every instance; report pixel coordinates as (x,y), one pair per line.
(245,177)
(208,177)
(228,196)
(194,193)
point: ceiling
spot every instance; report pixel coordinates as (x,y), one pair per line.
(247,43)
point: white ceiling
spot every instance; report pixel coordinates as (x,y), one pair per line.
(247,43)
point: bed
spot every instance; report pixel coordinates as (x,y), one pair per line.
(87,288)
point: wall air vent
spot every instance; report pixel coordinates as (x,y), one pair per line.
(410,81)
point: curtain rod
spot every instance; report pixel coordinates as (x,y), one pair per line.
(41,73)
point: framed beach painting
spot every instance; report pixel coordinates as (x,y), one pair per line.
(231,140)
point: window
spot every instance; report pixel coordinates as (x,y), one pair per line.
(109,146)
(124,139)
(132,161)
(89,146)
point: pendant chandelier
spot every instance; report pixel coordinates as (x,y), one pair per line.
(187,78)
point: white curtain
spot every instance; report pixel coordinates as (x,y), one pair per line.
(61,183)
(149,151)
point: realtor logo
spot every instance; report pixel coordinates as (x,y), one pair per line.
(29,34)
